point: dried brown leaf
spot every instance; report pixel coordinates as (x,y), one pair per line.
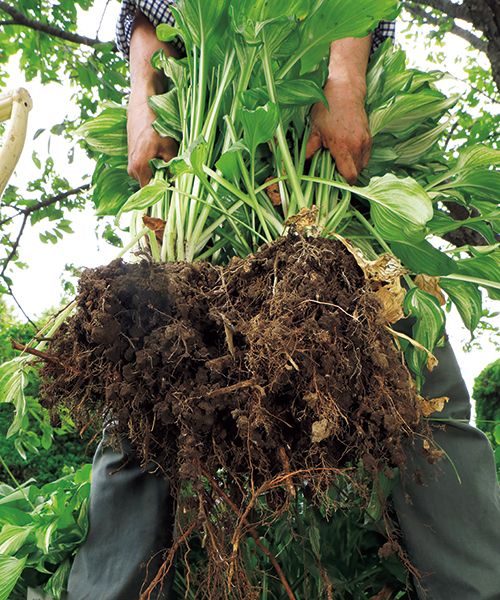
(432,405)
(156,225)
(273,192)
(430,284)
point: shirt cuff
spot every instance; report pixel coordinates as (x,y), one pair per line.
(156,11)
(385,30)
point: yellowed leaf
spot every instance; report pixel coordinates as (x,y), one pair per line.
(391,298)
(304,219)
(432,405)
(321,430)
(430,284)
(273,192)
(156,225)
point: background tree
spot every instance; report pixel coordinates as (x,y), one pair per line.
(487,396)
(476,21)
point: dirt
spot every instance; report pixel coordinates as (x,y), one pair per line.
(238,375)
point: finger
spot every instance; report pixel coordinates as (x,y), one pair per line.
(367,152)
(313,144)
(168,149)
(143,175)
(347,167)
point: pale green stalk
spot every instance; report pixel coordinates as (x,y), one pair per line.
(269,218)
(133,242)
(477,280)
(297,195)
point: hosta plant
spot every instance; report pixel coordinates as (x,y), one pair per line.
(262,355)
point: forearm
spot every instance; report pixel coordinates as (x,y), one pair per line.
(348,64)
(145,80)
(144,143)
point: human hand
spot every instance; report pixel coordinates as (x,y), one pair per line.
(343,128)
(144,143)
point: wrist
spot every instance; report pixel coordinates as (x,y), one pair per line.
(349,85)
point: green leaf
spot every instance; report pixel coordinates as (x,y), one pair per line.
(167,33)
(478,157)
(178,166)
(404,113)
(43,536)
(414,149)
(400,208)
(483,267)
(112,187)
(259,125)
(483,184)
(314,539)
(12,538)
(496,434)
(423,257)
(428,328)
(166,107)
(202,22)
(336,19)
(59,581)
(197,155)
(295,92)
(11,569)
(228,162)
(107,133)
(146,196)
(468,300)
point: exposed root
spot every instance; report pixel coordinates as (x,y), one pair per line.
(270,374)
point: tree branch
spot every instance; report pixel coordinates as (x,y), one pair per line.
(26,214)
(45,203)
(18,18)
(456,11)
(470,37)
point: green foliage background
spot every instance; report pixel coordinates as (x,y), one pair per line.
(68,450)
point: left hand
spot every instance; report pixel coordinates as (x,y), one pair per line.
(343,128)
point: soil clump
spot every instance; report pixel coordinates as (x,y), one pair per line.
(272,372)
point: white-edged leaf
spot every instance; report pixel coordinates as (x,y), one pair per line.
(428,328)
(147,196)
(486,267)
(400,208)
(477,157)
(107,132)
(11,569)
(12,537)
(468,300)
(167,33)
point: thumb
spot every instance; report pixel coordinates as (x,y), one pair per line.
(313,144)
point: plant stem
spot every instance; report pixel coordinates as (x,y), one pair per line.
(381,241)
(16,483)
(476,280)
(280,134)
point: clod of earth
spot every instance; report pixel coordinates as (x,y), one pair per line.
(273,364)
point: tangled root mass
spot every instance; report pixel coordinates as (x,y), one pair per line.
(275,364)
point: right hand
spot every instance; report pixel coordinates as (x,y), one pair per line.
(144,143)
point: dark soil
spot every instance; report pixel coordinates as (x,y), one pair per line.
(241,374)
